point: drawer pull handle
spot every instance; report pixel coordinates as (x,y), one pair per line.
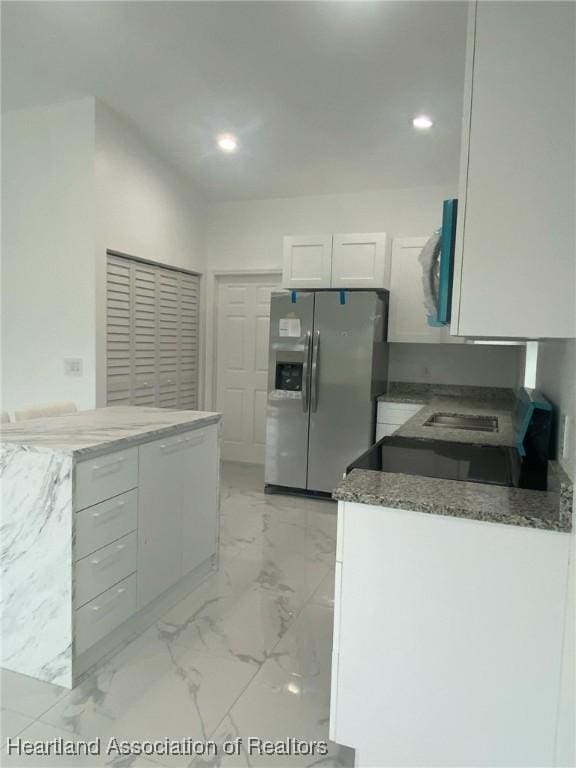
(97,561)
(110,511)
(175,445)
(119,591)
(98,467)
(195,440)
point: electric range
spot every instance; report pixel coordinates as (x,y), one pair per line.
(523,465)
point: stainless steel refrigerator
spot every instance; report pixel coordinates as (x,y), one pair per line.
(327,365)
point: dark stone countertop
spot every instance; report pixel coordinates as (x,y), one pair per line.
(548,510)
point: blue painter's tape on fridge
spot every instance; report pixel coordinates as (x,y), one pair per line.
(342,297)
(447,248)
(293,297)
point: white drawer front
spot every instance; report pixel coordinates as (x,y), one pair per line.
(397,413)
(180,443)
(384,430)
(102,615)
(103,568)
(104,523)
(105,476)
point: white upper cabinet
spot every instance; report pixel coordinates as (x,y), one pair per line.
(337,261)
(307,262)
(407,320)
(360,261)
(515,271)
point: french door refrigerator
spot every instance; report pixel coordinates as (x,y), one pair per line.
(327,365)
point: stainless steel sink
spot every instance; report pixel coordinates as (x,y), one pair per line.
(463,421)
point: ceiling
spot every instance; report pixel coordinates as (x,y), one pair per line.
(320,94)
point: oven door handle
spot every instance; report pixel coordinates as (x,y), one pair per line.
(305,374)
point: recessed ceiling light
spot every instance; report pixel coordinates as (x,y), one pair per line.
(227,142)
(422,122)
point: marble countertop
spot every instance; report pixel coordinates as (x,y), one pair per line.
(90,433)
(548,510)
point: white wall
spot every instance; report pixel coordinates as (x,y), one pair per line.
(76,181)
(48,303)
(146,208)
(248,234)
(471,364)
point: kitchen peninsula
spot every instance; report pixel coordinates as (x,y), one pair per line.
(450,611)
(107,516)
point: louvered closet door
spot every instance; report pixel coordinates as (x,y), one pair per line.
(145,367)
(118,331)
(152,331)
(189,301)
(168,333)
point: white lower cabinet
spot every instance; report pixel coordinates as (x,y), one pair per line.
(105,522)
(161,508)
(102,569)
(391,416)
(177,527)
(105,613)
(447,640)
(160,523)
(199,523)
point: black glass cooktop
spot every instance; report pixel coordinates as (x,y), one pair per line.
(436,458)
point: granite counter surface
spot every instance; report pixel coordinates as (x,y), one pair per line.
(503,436)
(453,400)
(548,510)
(426,394)
(94,432)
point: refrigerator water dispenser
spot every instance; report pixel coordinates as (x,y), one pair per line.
(289,376)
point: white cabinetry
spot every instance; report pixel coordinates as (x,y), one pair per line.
(408,320)
(199,523)
(360,261)
(515,272)
(177,526)
(337,261)
(144,518)
(95,537)
(162,499)
(391,416)
(448,639)
(307,262)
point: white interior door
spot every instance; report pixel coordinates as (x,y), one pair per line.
(243,318)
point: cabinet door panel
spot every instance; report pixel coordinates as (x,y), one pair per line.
(159,518)
(361,261)
(200,503)
(307,262)
(515,268)
(408,320)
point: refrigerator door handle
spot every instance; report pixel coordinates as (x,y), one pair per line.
(314,377)
(305,372)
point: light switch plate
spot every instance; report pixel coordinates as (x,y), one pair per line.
(73,366)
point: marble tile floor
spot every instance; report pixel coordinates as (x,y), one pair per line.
(247,654)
